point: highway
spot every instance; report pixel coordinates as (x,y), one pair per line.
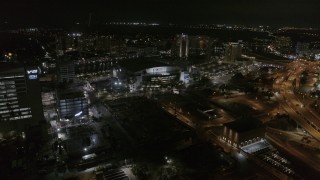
(180,116)
(286,84)
(288,142)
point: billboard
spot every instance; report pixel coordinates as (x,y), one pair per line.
(33,73)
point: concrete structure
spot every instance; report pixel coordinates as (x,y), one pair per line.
(66,71)
(184,46)
(49,105)
(233,52)
(237,137)
(181,49)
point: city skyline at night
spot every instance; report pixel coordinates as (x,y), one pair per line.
(159,89)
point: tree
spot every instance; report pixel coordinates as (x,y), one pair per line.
(204,81)
(167,173)
(141,171)
(237,78)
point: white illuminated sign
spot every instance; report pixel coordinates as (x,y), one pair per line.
(78,114)
(33,76)
(32,71)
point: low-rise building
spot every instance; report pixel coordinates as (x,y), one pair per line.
(72,104)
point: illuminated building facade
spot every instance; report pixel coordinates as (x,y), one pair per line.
(20,99)
(233,52)
(238,133)
(72,105)
(183,46)
(155,77)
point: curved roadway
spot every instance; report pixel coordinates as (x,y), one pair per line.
(285,84)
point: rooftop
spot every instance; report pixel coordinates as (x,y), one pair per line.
(141,64)
(70,94)
(244,124)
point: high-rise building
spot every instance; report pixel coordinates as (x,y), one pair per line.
(67,42)
(233,52)
(66,71)
(183,46)
(20,99)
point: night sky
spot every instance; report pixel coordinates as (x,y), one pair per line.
(255,12)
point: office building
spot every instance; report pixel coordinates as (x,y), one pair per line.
(182,46)
(233,52)
(20,99)
(66,72)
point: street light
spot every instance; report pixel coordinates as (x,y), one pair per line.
(168,160)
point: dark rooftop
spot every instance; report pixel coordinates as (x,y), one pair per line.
(244,124)
(69,94)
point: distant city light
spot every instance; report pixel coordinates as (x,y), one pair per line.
(23,135)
